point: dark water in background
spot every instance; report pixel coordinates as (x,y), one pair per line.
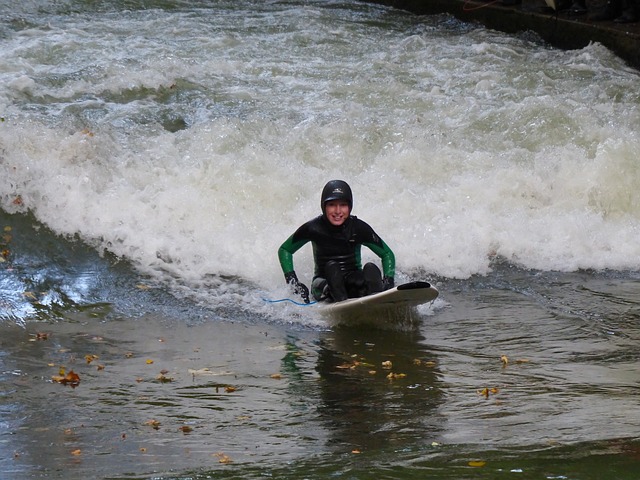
(153,155)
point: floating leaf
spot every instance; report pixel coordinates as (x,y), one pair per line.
(485,392)
(230,389)
(387,364)
(39,336)
(276,376)
(72,379)
(223,458)
(355,451)
(76,452)
(149,361)
(164,379)
(90,358)
(504,360)
(155,424)
(186,429)
(395,376)
(477,463)
(347,366)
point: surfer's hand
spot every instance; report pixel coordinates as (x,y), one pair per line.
(387,283)
(298,287)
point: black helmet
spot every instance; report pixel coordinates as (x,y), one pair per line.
(336,190)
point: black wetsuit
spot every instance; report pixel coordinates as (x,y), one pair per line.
(341,244)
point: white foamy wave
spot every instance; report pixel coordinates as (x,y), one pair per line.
(459,148)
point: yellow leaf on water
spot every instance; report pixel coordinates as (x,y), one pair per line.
(477,463)
(223,458)
(504,360)
(90,358)
(153,423)
(387,364)
(149,361)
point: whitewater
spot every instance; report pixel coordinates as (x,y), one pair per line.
(193,140)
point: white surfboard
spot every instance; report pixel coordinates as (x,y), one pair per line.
(403,296)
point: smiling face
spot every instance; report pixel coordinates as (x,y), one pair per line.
(336,211)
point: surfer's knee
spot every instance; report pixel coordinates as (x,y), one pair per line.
(320,288)
(373,278)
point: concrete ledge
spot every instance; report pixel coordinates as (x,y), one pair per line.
(560,29)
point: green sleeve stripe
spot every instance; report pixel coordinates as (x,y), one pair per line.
(387,257)
(286,251)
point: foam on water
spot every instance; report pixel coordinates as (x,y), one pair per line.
(194,142)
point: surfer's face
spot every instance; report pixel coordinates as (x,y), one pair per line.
(337,211)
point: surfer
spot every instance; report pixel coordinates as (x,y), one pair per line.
(337,238)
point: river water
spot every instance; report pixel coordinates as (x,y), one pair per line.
(154,155)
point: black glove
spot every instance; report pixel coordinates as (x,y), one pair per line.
(387,283)
(300,288)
